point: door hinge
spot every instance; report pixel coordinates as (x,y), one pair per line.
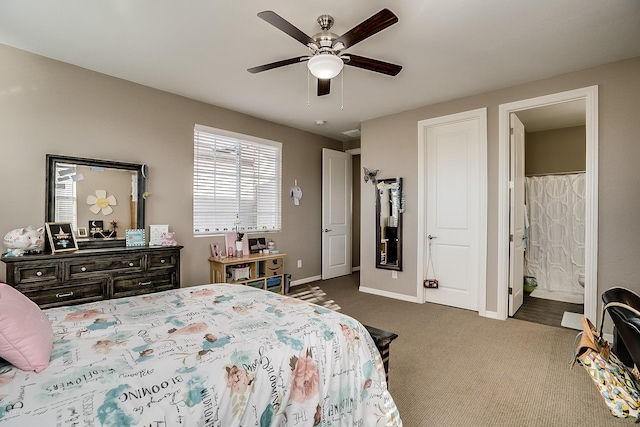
(510,291)
(511,237)
(511,131)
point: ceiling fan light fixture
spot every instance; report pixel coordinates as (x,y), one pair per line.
(325,65)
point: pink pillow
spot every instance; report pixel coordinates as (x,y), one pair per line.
(26,337)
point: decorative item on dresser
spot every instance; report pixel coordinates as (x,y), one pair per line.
(93,274)
(255,270)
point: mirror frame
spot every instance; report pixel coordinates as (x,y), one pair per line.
(50,203)
(397,266)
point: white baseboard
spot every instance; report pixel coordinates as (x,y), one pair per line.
(305,280)
(355,269)
(387,294)
(490,314)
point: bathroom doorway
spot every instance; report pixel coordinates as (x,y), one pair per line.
(550,122)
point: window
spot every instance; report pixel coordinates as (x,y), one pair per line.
(235,177)
(66,202)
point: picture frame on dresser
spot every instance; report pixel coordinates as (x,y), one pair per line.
(135,238)
(82,232)
(60,237)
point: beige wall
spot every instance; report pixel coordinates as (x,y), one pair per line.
(619,174)
(48,106)
(555,150)
(51,107)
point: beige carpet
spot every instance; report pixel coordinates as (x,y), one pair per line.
(451,367)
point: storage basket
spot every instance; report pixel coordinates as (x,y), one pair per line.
(256,284)
(240,273)
(273,284)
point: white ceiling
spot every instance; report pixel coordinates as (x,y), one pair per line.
(201,49)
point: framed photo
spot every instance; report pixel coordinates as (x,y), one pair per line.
(61,238)
(215,250)
(82,232)
(95,228)
(135,238)
(257,244)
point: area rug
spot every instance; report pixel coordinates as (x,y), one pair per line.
(572,320)
(314,295)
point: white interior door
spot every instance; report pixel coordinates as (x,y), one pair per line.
(336,213)
(516,217)
(453,211)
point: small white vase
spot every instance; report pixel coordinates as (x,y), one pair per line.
(239,248)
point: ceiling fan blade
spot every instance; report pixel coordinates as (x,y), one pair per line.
(324,87)
(378,22)
(283,25)
(277,64)
(373,65)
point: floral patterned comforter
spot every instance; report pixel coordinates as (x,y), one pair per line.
(212,355)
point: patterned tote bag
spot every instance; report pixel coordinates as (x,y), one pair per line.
(612,379)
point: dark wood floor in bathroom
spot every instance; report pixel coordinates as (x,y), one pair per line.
(545,311)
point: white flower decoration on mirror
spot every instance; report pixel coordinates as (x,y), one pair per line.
(101,202)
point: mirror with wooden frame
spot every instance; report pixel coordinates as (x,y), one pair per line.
(389,208)
(99,198)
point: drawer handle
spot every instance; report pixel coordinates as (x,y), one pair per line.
(144,283)
(68,294)
(162,261)
(130,264)
(39,273)
(83,269)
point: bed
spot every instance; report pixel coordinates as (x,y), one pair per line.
(211,355)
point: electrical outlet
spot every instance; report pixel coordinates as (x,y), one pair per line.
(394,274)
(299,263)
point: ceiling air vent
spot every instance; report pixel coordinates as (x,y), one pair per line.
(355,133)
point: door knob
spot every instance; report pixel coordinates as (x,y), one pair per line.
(326,230)
(430,237)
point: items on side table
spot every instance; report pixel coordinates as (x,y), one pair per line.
(264,271)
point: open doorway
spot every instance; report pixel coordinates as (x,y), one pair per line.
(553,197)
(586,99)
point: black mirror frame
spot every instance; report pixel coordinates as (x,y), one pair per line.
(50,204)
(379,264)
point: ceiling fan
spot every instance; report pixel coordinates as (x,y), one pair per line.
(326,59)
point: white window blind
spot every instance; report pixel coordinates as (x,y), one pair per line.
(235,177)
(66,202)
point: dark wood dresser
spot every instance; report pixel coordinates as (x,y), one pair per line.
(87,275)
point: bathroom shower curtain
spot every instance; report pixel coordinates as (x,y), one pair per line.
(555,251)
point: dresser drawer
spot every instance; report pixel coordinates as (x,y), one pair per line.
(78,268)
(93,274)
(142,284)
(36,273)
(162,260)
(85,291)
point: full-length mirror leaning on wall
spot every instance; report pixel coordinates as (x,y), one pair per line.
(99,198)
(389,208)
